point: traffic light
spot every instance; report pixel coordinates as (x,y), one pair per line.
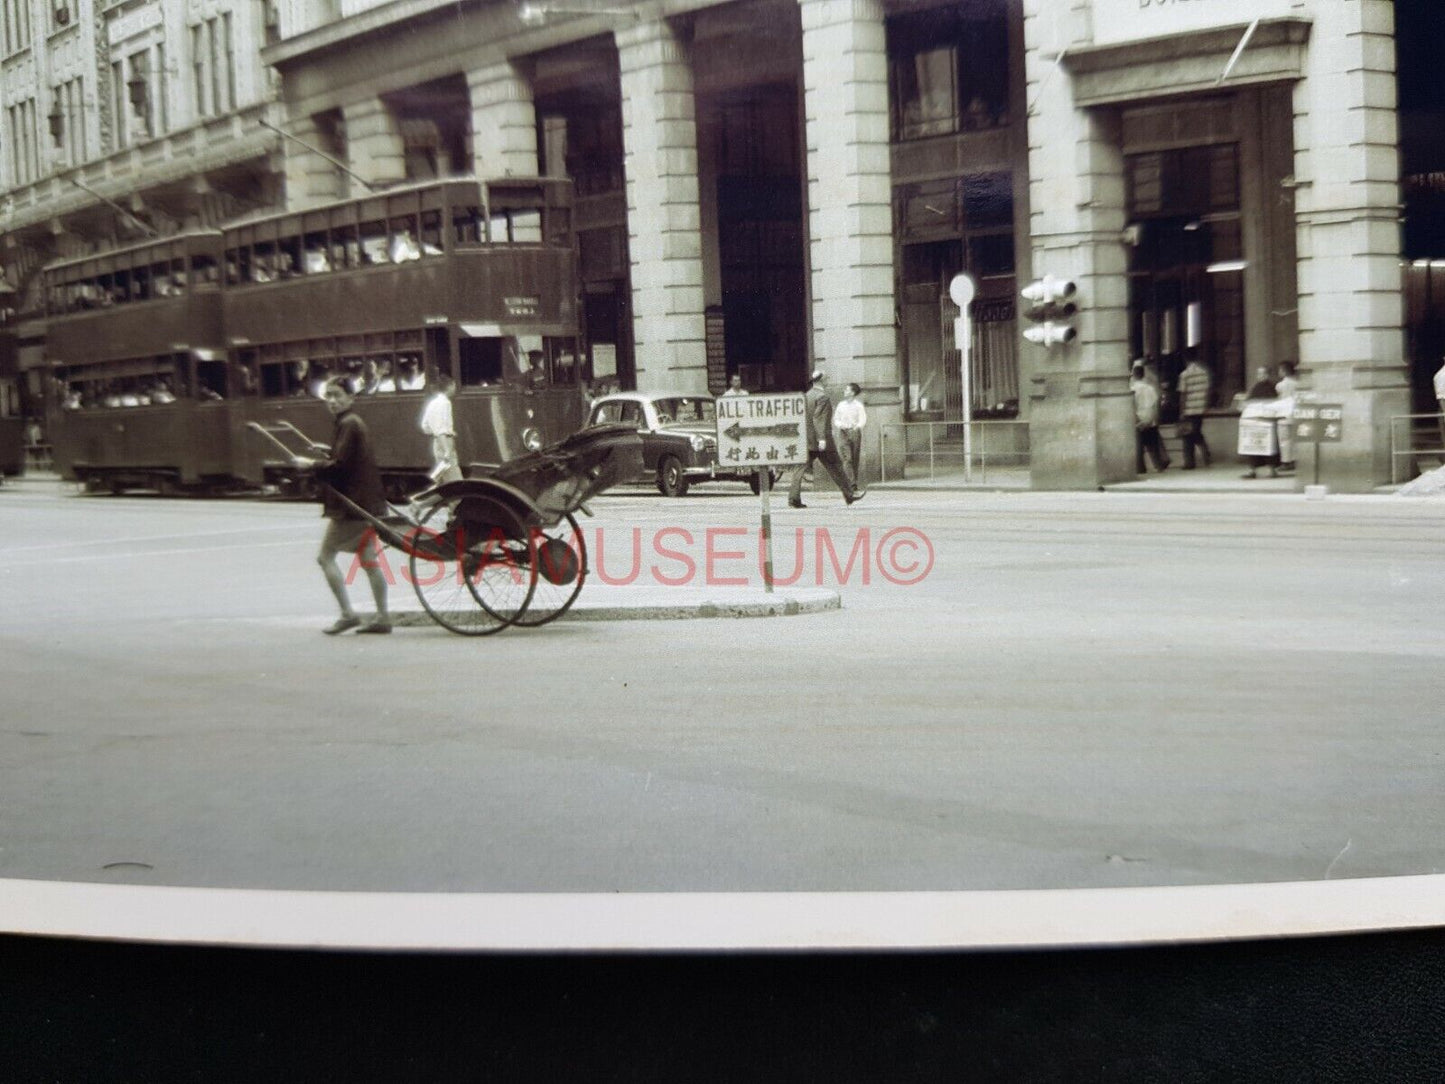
(1050,310)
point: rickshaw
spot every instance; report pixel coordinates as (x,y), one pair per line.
(502,547)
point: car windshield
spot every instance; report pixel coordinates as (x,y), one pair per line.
(684,411)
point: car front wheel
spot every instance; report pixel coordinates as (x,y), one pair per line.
(671,481)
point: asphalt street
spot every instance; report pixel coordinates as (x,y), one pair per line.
(1020,690)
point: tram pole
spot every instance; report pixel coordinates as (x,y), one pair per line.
(264,123)
(765,489)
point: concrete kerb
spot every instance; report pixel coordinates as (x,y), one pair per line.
(676,604)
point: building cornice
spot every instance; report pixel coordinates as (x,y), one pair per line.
(1187,63)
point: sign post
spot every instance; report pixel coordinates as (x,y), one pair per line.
(764,431)
(961,289)
(1318,423)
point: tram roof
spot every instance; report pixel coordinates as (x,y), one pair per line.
(399,190)
(149,243)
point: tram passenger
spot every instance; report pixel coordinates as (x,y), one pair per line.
(384,380)
(412,376)
(317,377)
(404,247)
(351,472)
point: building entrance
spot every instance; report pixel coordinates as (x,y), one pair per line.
(1186,268)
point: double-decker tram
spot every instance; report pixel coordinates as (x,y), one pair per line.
(140,394)
(475,279)
(166,357)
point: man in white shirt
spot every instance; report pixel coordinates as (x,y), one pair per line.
(1440,396)
(437,423)
(849,418)
(735,386)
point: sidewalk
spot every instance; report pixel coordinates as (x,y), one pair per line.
(1219,478)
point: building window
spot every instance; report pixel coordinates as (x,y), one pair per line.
(198,67)
(139,95)
(24,142)
(948,70)
(119,107)
(961,224)
(213,67)
(228,52)
(69,106)
(17,25)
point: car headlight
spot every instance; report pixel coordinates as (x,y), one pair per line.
(699,442)
(531,439)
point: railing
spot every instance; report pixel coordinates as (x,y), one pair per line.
(1409,451)
(997,439)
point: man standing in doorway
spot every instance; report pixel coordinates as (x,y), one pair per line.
(1194,384)
(820,431)
(735,386)
(1146,422)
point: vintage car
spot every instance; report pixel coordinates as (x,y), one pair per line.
(679,437)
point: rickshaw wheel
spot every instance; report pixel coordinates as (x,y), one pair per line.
(473,587)
(560,558)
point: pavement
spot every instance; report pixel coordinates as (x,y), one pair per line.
(1221,477)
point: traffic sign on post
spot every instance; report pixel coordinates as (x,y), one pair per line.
(763,432)
(1318,423)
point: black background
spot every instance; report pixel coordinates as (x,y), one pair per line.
(1358,1007)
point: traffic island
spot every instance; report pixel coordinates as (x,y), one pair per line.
(655,603)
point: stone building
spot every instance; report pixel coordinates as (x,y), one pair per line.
(769,185)
(123,120)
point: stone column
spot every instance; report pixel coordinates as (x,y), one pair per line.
(310,178)
(1348,235)
(504,122)
(373,142)
(850,216)
(1081,413)
(659,137)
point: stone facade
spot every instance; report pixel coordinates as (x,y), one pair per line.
(850,228)
(659,134)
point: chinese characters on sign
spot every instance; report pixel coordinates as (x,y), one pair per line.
(1318,423)
(761,430)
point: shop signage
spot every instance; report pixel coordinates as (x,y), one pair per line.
(1130,20)
(761,430)
(1318,423)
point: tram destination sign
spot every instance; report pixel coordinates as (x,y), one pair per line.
(762,430)
(1318,423)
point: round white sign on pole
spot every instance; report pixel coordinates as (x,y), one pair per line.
(961,289)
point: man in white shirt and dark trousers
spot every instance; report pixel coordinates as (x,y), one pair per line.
(849,418)
(1440,396)
(437,423)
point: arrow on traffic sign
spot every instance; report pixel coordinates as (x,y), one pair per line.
(735,431)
